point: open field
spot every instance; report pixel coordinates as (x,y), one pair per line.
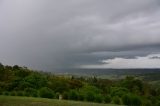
(30,101)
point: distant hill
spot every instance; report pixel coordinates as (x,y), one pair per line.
(98,72)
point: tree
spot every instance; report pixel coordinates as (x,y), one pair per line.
(116,100)
(1,67)
(73,95)
(99,98)
(46,93)
(90,96)
(107,99)
(130,99)
(35,81)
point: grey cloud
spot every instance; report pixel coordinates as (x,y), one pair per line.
(51,34)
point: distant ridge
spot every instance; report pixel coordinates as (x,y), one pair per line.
(110,71)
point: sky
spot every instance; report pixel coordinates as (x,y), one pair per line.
(63,34)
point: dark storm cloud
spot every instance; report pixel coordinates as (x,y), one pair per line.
(51,34)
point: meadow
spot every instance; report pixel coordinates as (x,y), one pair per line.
(31,101)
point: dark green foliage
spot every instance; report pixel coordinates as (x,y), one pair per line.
(134,85)
(158,103)
(1,67)
(21,81)
(81,97)
(46,93)
(31,92)
(118,91)
(116,100)
(13,93)
(147,103)
(58,84)
(34,81)
(107,99)
(73,95)
(27,94)
(6,93)
(57,95)
(90,96)
(65,95)
(98,98)
(89,92)
(74,84)
(130,99)
(20,93)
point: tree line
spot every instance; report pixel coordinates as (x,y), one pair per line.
(21,81)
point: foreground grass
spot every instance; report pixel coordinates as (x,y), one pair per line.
(30,101)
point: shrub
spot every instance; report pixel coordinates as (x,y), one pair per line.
(13,93)
(57,95)
(99,98)
(126,100)
(73,95)
(158,103)
(116,100)
(131,99)
(20,93)
(31,92)
(46,93)
(81,97)
(6,93)
(136,101)
(65,95)
(26,94)
(107,99)
(90,96)
(147,103)
(1,93)
(118,91)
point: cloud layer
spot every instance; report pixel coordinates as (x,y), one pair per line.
(53,34)
(149,61)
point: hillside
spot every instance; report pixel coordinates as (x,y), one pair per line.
(24,82)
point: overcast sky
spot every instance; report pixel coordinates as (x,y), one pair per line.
(58,34)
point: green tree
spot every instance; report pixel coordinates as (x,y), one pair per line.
(46,93)
(130,99)
(73,95)
(116,100)
(99,98)
(35,81)
(107,99)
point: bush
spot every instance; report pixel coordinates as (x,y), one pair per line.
(158,103)
(46,93)
(31,92)
(118,91)
(20,93)
(136,101)
(107,99)
(80,97)
(13,93)
(98,98)
(1,93)
(65,95)
(57,95)
(90,96)
(147,103)
(73,95)
(131,99)
(116,100)
(26,94)
(6,93)
(126,100)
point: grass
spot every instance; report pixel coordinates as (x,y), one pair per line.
(30,101)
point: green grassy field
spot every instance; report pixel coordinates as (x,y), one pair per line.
(29,101)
